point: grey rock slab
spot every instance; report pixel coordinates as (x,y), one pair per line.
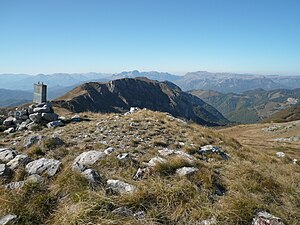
(86,159)
(7,154)
(186,170)
(10,121)
(120,187)
(7,218)
(19,160)
(42,109)
(43,165)
(152,162)
(9,130)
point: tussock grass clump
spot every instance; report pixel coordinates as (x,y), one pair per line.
(170,167)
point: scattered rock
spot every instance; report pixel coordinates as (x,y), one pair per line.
(141,173)
(168,152)
(280,154)
(7,218)
(34,178)
(4,171)
(10,121)
(19,160)
(76,118)
(7,154)
(15,185)
(139,215)
(155,160)
(54,124)
(120,186)
(29,141)
(208,221)
(92,176)
(132,110)
(9,130)
(50,166)
(209,149)
(45,108)
(264,218)
(123,211)
(186,170)
(86,159)
(295,161)
(109,150)
(123,157)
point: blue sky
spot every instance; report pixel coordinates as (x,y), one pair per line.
(243,36)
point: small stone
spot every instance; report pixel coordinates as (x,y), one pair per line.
(49,166)
(15,185)
(266,218)
(295,161)
(19,160)
(7,154)
(123,211)
(76,118)
(120,186)
(141,173)
(280,154)
(139,215)
(86,159)
(92,176)
(209,221)
(29,141)
(109,150)
(54,124)
(9,130)
(123,157)
(155,161)
(34,178)
(7,218)
(186,170)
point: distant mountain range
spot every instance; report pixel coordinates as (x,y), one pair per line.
(121,94)
(10,98)
(250,106)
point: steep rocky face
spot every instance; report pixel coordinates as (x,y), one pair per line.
(120,95)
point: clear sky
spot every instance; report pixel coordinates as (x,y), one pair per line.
(243,36)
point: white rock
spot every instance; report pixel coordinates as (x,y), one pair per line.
(186,170)
(7,154)
(209,221)
(123,157)
(120,186)
(54,124)
(109,150)
(155,161)
(280,154)
(49,166)
(86,159)
(7,218)
(92,176)
(266,219)
(15,185)
(295,161)
(19,160)
(9,130)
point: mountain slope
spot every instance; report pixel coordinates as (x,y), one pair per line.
(250,106)
(286,115)
(120,95)
(10,98)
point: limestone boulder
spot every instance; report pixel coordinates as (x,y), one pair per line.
(19,160)
(120,187)
(7,154)
(86,159)
(5,220)
(43,165)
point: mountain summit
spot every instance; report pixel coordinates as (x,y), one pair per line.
(119,95)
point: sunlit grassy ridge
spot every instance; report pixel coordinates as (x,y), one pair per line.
(251,179)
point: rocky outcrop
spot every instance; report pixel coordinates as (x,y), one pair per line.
(28,117)
(266,218)
(86,159)
(120,95)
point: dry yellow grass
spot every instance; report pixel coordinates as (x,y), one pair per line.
(251,179)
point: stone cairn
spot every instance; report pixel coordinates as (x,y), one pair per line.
(29,117)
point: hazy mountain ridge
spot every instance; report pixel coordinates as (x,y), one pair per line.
(250,106)
(120,95)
